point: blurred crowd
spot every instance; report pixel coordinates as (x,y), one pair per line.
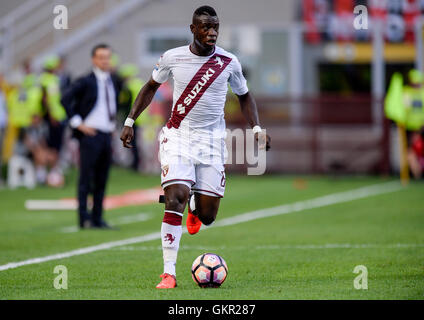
(35,139)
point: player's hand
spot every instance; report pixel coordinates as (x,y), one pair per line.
(88,131)
(264,140)
(127,136)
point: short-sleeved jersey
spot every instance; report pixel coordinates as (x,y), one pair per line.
(200,86)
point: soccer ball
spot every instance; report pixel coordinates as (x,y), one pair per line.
(209,270)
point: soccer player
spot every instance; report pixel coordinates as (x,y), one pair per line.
(192,143)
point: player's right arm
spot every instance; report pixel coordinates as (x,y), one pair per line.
(144,98)
(160,75)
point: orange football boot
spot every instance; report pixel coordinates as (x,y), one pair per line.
(168,281)
(193,222)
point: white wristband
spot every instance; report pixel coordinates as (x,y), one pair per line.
(256,129)
(129,122)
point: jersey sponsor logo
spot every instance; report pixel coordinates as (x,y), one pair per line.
(197,87)
(219,62)
(201,81)
(170,238)
(180,108)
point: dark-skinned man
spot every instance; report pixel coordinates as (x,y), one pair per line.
(192,143)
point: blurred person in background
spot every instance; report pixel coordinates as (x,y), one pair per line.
(34,140)
(54,115)
(91,104)
(413,98)
(29,78)
(7,138)
(64,76)
(3,125)
(24,102)
(404,104)
(131,86)
(23,98)
(4,85)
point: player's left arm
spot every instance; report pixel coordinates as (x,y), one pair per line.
(250,112)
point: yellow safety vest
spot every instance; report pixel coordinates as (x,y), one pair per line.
(22,104)
(413,101)
(50,84)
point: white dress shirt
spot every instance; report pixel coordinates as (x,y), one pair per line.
(98,118)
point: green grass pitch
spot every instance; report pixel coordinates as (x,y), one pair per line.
(308,254)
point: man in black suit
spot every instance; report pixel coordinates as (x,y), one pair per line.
(91,103)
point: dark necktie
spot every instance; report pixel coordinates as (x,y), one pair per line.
(109,108)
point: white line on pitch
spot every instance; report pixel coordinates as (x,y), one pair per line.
(118,221)
(285,247)
(330,199)
(340,197)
